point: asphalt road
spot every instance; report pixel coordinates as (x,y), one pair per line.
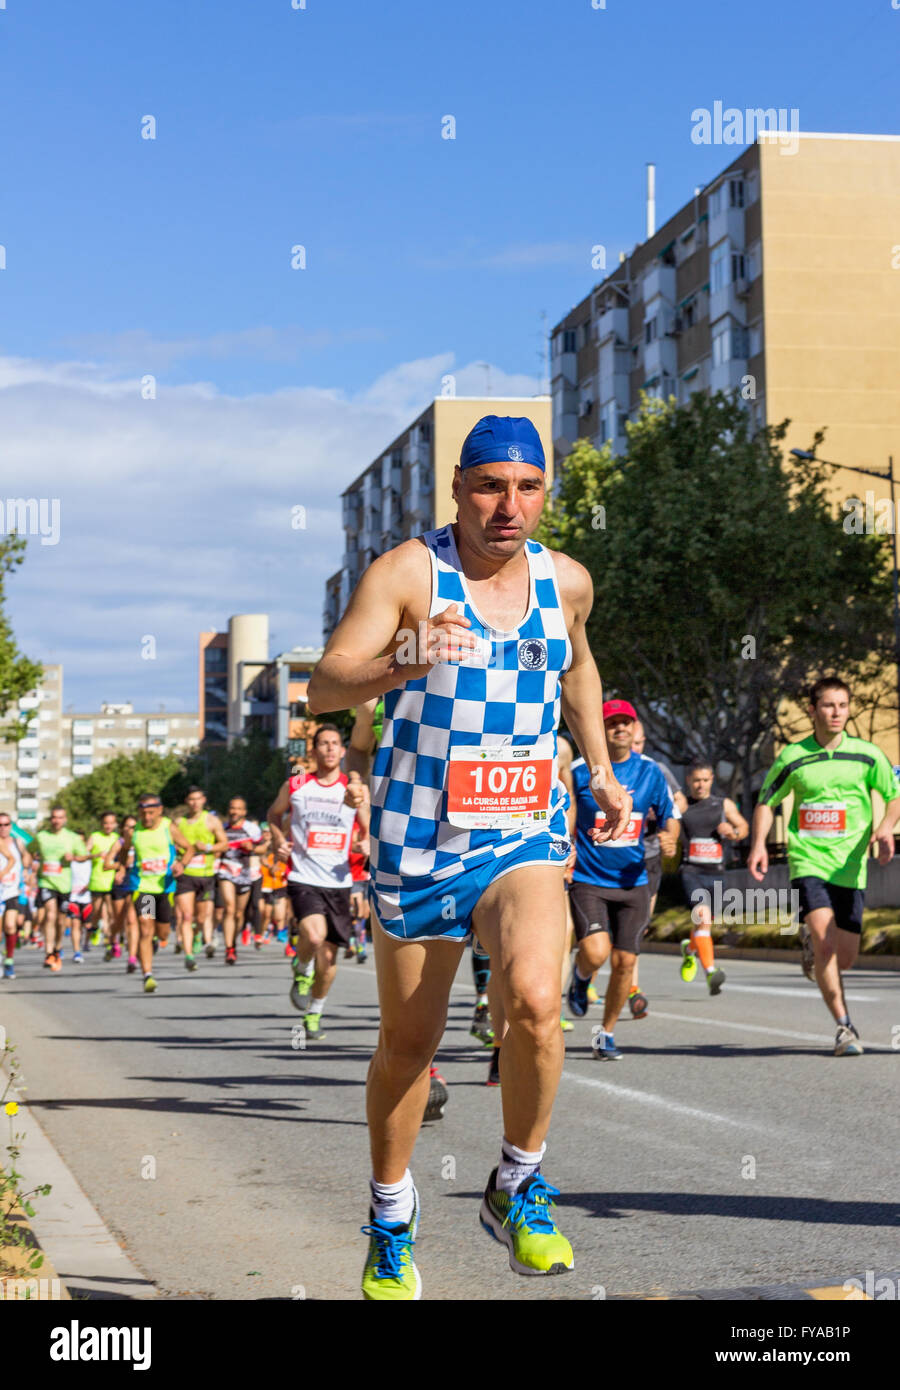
(728,1148)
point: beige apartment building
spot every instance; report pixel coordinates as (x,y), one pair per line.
(780,278)
(406,489)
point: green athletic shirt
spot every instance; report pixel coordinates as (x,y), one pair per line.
(198,832)
(154,855)
(830,825)
(55,872)
(101,879)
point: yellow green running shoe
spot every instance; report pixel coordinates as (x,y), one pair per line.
(300,988)
(525,1225)
(389,1272)
(149,984)
(313,1025)
(688,962)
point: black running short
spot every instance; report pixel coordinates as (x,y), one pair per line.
(120,891)
(622,912)
(155,905)
(46,895)
(654,873)
(846,903)
(273,895)
(201,884)
(699,887)
(332,903)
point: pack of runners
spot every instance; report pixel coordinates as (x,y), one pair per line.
(455,818)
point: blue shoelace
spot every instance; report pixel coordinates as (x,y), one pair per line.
(391,1245)
(526,1206)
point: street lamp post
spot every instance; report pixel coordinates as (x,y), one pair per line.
(889,478)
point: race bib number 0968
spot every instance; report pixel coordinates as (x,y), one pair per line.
(499,788)
(822,819)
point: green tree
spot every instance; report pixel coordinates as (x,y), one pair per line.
(116,786)
(723,580)
(250,768)
(18,675)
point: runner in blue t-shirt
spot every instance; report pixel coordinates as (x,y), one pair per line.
(610,892)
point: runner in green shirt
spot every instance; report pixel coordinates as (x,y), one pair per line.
(832,776)
(101,881)
(195,889)
(54,849)
(151,877)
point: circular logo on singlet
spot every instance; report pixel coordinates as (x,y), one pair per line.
(533,654)
(515,453)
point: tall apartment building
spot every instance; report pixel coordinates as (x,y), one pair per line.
(776,278)
(32,771)
(242,688)
(406,489)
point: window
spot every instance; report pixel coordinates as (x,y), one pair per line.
(585,333)
(608,422)
(736,193)
(650,331)
(738,264)
(715,202)
(718,266)
(755,339)
(132,724)
(568,340)
(721,342)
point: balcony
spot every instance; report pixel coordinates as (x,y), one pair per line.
(26,805)
(659,280)
(29,702)
(729,222)
(29,764)
(79,771)
(613,323)
(31,741)
(29,783)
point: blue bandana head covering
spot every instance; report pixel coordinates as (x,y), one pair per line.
(502,439)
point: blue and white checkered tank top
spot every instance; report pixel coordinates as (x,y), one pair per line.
(507,695)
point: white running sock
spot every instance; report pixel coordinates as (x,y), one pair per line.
(393,1202)
(583,978)
(315,1006)
(515,1166)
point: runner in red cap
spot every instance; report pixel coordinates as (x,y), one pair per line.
(610,891)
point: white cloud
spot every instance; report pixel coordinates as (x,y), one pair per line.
(176,512)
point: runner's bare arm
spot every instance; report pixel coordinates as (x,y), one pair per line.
(758,858)
(668,837)
(736,823)
(280,806)
(883,835)
(220,843)
(582,700)
(362,740)
(366,654)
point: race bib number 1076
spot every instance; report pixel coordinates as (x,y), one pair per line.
(499,788)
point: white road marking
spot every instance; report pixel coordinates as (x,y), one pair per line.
(811,992)
(648,1098)
(822,1038)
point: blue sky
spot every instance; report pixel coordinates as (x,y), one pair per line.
(321,127)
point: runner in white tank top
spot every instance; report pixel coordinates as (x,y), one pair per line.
(323,831)
(476,638)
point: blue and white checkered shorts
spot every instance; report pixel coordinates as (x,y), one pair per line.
(431,909)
